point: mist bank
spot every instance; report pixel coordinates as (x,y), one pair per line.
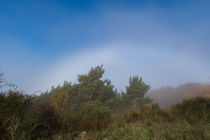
(168,96)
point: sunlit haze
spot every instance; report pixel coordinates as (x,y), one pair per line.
(46,42)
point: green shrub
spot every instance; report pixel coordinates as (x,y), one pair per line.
(13,107)
(95,116)
(193,110)
(42,120)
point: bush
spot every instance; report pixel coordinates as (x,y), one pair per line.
(42,120)
(138,114)
(95,116)
(13,107)
(193,110)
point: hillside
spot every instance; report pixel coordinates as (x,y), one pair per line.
(167,96)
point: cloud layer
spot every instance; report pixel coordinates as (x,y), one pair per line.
(164,45)
(158,67)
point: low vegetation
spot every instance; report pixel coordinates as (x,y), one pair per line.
(93,107)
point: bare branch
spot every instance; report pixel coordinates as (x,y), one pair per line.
(5,83)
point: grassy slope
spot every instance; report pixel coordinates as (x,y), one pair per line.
(155,131)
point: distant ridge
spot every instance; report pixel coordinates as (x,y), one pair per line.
(167,96)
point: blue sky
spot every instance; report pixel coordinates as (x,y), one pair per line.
(44,42)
